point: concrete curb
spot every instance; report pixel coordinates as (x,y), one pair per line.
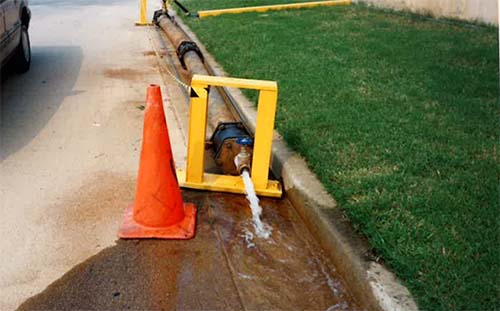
(373,285)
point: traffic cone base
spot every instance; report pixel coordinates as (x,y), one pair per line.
(182,230)
(158,210)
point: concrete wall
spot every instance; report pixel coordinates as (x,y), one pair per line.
(472,10)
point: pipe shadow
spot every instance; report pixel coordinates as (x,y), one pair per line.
(28,101)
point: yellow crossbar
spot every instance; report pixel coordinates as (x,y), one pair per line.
(276,7)
(226,183)
(262,85)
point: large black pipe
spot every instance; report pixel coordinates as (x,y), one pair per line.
(218,112)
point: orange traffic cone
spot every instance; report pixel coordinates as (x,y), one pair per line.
(158,210)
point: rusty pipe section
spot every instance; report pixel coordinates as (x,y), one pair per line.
(232,145)
(192,61)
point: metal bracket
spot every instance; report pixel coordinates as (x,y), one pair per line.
(187,46)
(157,14)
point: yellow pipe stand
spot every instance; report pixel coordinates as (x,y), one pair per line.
(276,7)
(194,176)
(142,14)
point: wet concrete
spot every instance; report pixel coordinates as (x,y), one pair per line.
(221,268)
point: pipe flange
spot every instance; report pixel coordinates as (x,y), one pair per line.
(156,16)
(187,46)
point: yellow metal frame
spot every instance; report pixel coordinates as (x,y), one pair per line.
(276,7)
(194,176)
(142,14)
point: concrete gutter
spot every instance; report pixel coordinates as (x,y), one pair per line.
(373,285)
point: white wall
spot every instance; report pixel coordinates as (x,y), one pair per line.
(472,10)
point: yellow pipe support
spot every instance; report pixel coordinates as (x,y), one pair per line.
(194,176)
(276,7)
(227,183)
(196,133)
(142,14)
(266,111)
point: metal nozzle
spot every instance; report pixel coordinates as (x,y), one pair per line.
(243,160)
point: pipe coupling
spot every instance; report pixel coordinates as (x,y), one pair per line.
(187,46)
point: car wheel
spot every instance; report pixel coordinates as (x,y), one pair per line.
(23,53)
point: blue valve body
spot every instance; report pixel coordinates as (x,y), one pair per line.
(244,141)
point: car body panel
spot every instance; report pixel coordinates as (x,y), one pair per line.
(10,31)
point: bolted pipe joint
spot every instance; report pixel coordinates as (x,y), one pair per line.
(187,46)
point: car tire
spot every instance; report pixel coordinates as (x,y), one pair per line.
(22,59)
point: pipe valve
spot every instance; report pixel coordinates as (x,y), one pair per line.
(233,148)
(243,160)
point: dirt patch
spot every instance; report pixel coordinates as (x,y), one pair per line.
(104,196)
(90,215)
(149,53)
(123,73)
(153,53)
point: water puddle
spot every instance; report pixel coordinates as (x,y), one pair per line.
(286,271)
(217,270)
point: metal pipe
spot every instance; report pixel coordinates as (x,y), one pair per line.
(218,112)
(192,60)
(276,7)
(243,160)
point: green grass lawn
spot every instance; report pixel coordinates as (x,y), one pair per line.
(398,116)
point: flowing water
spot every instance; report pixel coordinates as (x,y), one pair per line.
(262,230)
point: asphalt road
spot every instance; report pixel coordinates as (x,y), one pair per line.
(70,128)
(70,141)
